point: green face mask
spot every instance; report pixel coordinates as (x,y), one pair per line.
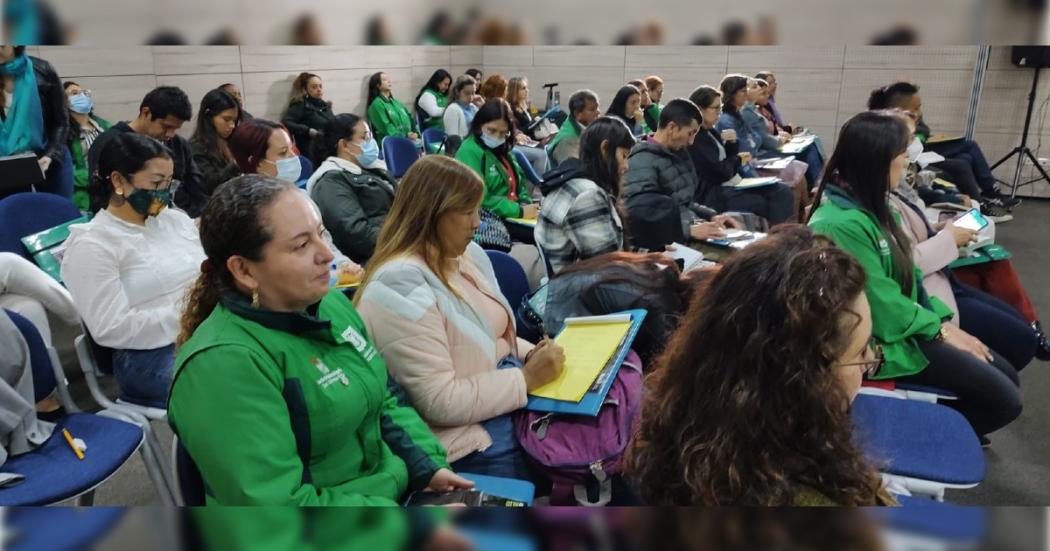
(149,202)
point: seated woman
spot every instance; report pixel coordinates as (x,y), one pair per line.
(655,85)
(129,268)
(494,87)
(746,407)
(525,139)
(715,156)
(460,112)
(84,127)
(582,213)
(265,343)
(649,124)
(219,115)
(307,111)
(387,115)
(351,187)
(264,147)
(432,99)
(921,344)
(759,96)
(435,312)
(487,152)
(627,106)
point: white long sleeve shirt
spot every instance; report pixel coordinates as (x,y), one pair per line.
(129,282)
(428,103)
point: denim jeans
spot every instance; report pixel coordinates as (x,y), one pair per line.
(504,458)
(145,375)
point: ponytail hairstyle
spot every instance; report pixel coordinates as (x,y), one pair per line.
(341,127)
(893,95)
(729,87)
(231,225)
(299,87)
(127,153)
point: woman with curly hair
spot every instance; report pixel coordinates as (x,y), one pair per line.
(749,404)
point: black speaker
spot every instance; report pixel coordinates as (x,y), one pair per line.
(1030,56)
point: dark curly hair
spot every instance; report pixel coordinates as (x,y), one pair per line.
(744,406)
(231,225)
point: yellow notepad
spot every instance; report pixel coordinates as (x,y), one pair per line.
(588,348)
(531,222)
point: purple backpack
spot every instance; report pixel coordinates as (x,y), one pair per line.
(577,451)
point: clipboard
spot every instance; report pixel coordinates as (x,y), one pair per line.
(48,246)
(592,400)
(987,253)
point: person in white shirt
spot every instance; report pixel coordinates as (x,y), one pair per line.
(432,99)
(460,112)
(130,267)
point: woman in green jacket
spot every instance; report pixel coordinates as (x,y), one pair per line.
(388,116)
(279,395)
(919,343)
(433,98)
(488,152)
(84,127)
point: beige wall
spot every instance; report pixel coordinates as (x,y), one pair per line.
(820,87)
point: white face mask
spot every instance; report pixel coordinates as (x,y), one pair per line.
(914,150)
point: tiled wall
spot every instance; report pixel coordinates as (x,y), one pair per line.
(820,87)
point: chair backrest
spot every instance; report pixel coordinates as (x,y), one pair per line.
(432,139)
(306,170)
(400,154)
(24,214)
(191,483)
(43,372)
(513,282)
(526,167)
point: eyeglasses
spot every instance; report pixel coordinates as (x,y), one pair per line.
(872,366)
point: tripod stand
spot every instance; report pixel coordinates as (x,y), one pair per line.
(1022,150)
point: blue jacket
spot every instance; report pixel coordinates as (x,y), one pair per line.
(744,136)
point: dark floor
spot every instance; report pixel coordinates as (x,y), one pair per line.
(1018,460)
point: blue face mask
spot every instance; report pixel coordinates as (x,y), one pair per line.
(81,103)
(289,169)
(369,152)
(490,142)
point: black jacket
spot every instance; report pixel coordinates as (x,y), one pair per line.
(353,206)
(712,172)
(304,114)
(53,106)
(215,169)
(191,195)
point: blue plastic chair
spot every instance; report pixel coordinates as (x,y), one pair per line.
(514,285)
(432,140)
(526,167)
(52,471)
(926,447)
(60,528)
(27,213)
(400,154)
(307,170)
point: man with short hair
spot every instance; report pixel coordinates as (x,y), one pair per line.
(162,113)
(662,166)
(583,110)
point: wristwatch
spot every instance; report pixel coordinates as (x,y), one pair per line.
(941,335)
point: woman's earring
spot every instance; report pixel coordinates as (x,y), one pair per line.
(255,299)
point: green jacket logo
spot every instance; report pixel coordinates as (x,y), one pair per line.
(360,343)
(884,247)
(329,377)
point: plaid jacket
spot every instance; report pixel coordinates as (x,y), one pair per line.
(578,221)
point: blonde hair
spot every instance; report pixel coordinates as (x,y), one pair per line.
(514,91)
(434,186)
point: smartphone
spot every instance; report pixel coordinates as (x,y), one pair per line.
(971,220)
(470,498)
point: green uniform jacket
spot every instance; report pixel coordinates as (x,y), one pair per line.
(652,116)
(569,129)
(390,118)
(438,121)
(80,164)
(497,185)
(296,409)
(899,320)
